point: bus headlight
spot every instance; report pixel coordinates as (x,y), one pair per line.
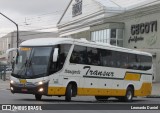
(40,83)
(11,81)
(12,88)
(40,90)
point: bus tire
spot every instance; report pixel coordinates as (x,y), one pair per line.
(129,95)
(38,96)
(68,94)
(101,98)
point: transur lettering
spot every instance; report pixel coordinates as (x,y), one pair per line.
(98,73)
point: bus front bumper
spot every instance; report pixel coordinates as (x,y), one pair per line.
(29,88)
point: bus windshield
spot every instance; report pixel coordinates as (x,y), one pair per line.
(32,62)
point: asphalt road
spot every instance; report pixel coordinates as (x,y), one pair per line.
(6,97)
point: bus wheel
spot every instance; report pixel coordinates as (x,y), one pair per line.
(101,98)
(69,92)
(129,95)
(38,96)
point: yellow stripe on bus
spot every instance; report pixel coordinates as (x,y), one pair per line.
(145,90)
(132,76)
(56,90)
(101,92)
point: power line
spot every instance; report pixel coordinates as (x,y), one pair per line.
(34,34)
(53,18)
(56,12)
(51,27)
(43,28)
(39,17)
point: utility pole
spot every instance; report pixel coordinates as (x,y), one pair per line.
(16,27)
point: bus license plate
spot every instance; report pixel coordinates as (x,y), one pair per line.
(24,90)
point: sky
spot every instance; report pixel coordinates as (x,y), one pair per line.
(31,15)
(41,15)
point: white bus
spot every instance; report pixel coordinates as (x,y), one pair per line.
(75,67)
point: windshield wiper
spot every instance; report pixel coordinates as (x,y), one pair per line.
(30,63)
(24,65)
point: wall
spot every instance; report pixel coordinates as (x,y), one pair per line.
(85,34)
(11,39)
(88,7)
(151,40)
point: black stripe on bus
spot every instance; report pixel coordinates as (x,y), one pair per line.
(139,73)
(102,77)
(99,77)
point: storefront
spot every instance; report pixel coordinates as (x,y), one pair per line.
(98,20)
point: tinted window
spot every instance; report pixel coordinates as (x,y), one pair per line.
(113,59)
(109,58)
(105,57)
(62,54)
(122,60)
(146,62)
(79,55)
(133,62)
(93,56)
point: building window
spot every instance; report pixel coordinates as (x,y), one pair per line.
(9,46)
(110,36)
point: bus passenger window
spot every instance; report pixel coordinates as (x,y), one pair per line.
(62,54)
(79,55)
(93,56)
(145,62)
(132,61)
(113,59)
(123,60)
(105,56)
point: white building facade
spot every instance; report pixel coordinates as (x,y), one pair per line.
(10,41)
(134,27)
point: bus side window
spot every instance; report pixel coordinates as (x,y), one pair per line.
(123,59)
(131,61)
(113,59)
(145,62)
(105,56)
(79,55)
(62,54)
(93,56)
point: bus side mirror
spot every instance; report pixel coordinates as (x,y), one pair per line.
(13,63)
(55,55)
(8,52)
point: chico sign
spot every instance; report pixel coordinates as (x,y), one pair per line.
(144,28)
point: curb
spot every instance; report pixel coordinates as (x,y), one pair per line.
(153,96)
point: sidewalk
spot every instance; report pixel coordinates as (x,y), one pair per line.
(155,88)
(4,84)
